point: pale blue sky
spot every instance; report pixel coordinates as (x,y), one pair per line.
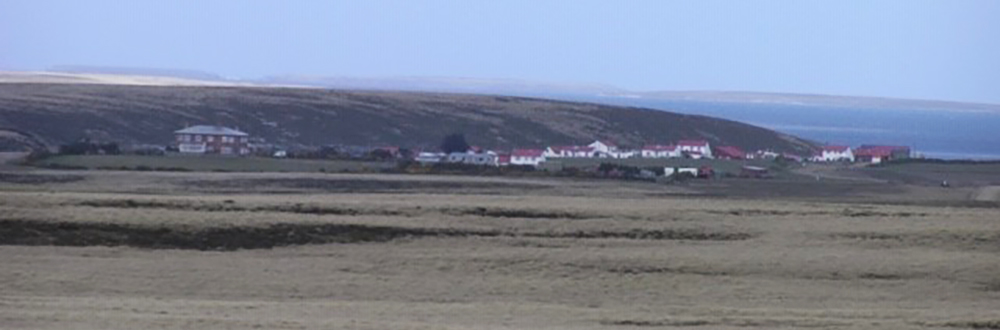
(940,49)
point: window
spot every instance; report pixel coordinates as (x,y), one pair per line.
(197,138)
(243,139)
(210,138)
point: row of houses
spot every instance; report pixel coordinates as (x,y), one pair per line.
(606,149)
(873,154)
(207,139)
(598,149)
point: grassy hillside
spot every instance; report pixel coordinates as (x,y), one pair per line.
(205,164)
(51,114)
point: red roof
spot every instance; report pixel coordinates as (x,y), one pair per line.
(503,158)
(873,152)
(879,151)
(527,153)
(836,148)
(659,147)
(693,143)
(730,151)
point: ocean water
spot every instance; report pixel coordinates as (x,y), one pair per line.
(934,133)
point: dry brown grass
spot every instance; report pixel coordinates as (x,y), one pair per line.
(480,253)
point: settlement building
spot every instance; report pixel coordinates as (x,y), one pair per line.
(834,154)
(695,148)
(429,157)
(604,148)
(473,158)
(205,139)
(570,152)
(660,151)
(877,154)
(531,157)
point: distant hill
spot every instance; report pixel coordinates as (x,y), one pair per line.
(52,114)
(46,77)
(138,71)
(606,93)
(511,87)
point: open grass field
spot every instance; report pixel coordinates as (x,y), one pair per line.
(210,163)
(967,174)
(179,250)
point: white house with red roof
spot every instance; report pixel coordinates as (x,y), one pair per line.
(206,139)
(570,152)
(660,151)
(531,157)
(695,148)
(877,154)
(834,154)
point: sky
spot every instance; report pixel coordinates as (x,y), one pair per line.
(924,49)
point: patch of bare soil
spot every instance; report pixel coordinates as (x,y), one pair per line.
(22,232)
(14,232)
(798,188)
(22,178)
(983,324)
(230,206)
(300,208)
(518,213)
(967,240)
(852,213)
(729,322)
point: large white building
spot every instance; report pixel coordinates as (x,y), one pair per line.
(834,154)
(486,158)
(660,151)
(205,139)
(695,148)
(604,148)
(570,152)
(531,157)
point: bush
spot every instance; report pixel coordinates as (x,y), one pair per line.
(85,147)
(454,143)
(37,155)
(65,167)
